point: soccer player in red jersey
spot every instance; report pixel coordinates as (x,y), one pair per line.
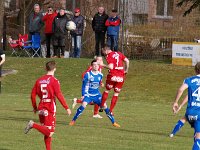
(116,75)
(47,88)
(96,107)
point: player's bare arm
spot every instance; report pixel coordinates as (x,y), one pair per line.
(126,65)
(109,66)
(185,100)
(3,58)
(178,95)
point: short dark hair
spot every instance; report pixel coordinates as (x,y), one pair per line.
(50,65)
(94,60)
(106,46)
(114,10)
(197,68)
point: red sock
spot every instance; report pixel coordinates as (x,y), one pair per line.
(96,109)
(47,141)
(104,98)
(44,130)
(113,102)
(79,101)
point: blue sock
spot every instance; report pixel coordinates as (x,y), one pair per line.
(177,127)
(196,145)
(110,116)
(78,112)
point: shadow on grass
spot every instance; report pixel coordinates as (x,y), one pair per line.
(148,132)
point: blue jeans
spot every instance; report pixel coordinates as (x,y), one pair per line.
(113,42)
(76,46)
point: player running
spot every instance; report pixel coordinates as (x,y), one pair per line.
(182,121)
(116,75)
(96,107)
(193,108)
(91,93)
(47,88)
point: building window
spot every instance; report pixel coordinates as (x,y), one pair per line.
(164,8)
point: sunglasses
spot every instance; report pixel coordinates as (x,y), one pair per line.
(76,12)
(49,9)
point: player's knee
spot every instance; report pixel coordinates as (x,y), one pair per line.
(84,104)
(116,91)
(197,135)
(51,134)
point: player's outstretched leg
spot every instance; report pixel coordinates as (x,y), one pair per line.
(78,113)
(113,103)
(47,141)
(110,116)
(28,127)
(96,110)
(103,100)
(177,127)
(196,145)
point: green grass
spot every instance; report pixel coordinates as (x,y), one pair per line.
(143,110)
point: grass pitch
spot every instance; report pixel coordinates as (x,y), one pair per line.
(143,109)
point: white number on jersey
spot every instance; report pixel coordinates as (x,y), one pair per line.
(196,94)
(116,56)
(44,90)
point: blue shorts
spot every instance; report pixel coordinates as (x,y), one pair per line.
(95,99)
(193,117)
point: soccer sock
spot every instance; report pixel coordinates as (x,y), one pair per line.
(196,145)
(110,116)
(44,130)
(177,127)
(78,112)
(96,109)
(47,141)
(104,98)
(113,102)
(79,101)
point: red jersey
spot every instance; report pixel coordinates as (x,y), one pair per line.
(117,59)
(47,88)
(90,68)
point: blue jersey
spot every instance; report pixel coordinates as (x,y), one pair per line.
(91,83)
(193,92)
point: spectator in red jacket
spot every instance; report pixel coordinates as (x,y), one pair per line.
(48,19)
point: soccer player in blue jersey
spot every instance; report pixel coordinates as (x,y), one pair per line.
(193,107)
(90,93)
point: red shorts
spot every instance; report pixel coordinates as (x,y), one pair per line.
(47,119)
(114,82)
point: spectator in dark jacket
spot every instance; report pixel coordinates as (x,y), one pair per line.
(113,26)
(98,26)
(48,19)
(35,21)
(77,33)
(59,32)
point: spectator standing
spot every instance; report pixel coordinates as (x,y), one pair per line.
(98,26)
(78,19)
(35,21)
(59,32)
(113,26)
(48,19)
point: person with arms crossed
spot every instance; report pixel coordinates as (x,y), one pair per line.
(116,75)
(192,84)
(96,107)
(91,93)
(47,88)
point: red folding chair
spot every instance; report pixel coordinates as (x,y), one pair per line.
(14,44)
(23,40)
